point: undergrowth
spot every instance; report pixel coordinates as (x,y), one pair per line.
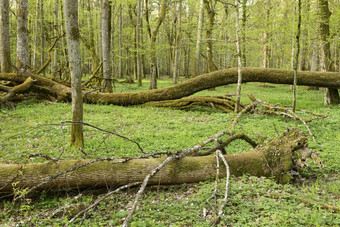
(252,201)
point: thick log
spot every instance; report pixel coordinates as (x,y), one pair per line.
(191,86)
(273,159)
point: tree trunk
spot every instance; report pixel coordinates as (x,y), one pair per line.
(72,33)
(198,42)
(331,95)
(107,86)
(5,47)
(274,159)
(22,36)
(42,35)
(153,36)
(177,42)
(266,48)
(239,59)
(55,55)
(120,58)
(138,42)
(186,88)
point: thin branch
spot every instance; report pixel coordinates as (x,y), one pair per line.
(142,188)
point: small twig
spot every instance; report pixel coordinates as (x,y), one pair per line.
(102,198)
(107,131)
(225,143)
(41,156)
(64,207)
(220,212)
(214,195)
(239,115)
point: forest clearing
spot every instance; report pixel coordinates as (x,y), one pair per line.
(169,113)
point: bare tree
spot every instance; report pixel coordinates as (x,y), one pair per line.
(296,62)
(72,34)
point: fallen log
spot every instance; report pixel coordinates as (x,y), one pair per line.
(188,87)
(275,159)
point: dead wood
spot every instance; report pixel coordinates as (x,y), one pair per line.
(223,103)
(186,88)
(21,88)
(273,159)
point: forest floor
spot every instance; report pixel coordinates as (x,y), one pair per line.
(252,201)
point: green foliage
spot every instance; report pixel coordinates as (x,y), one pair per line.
(252,201)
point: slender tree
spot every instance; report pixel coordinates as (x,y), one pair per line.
(107,87)
(209,6)
(22,36)
(138,42)
(239,58)
(5,51)
(198,41)
(296,62)
(153,36)
(72,34)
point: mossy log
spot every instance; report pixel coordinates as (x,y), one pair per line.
(275,159)
(223,103)
(188,87)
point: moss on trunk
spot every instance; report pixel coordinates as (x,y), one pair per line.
(274,159)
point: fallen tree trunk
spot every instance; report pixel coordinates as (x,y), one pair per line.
(273,159)
(188,87)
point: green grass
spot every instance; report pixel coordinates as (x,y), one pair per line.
(250,199)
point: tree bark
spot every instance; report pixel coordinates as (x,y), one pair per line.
(198,42)
(331,95)
(275,159)
(22,36)
(72,33)
(107,86)
(5,51)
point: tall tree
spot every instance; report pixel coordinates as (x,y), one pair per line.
(5,51)
(198,41)
(153,35)
(209,6)
(331,94)
(266,34)
(178,34)
(138,42)
(239,58)
(296,60)
(72,34)
(22,37)
(56,28)
(107,87)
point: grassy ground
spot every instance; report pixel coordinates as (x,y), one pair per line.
(252,201)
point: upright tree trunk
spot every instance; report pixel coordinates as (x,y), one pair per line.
(107,87)
(239,59)
(244,23)
(198,42)
(42,38)
(296,63)
(209,7)
(5,50)
(22,36)
(266,48)
(72,33)
(177,41)
(331,94)
(138,42)
(35,34)
(55,55)
(120,61)
(153,36)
